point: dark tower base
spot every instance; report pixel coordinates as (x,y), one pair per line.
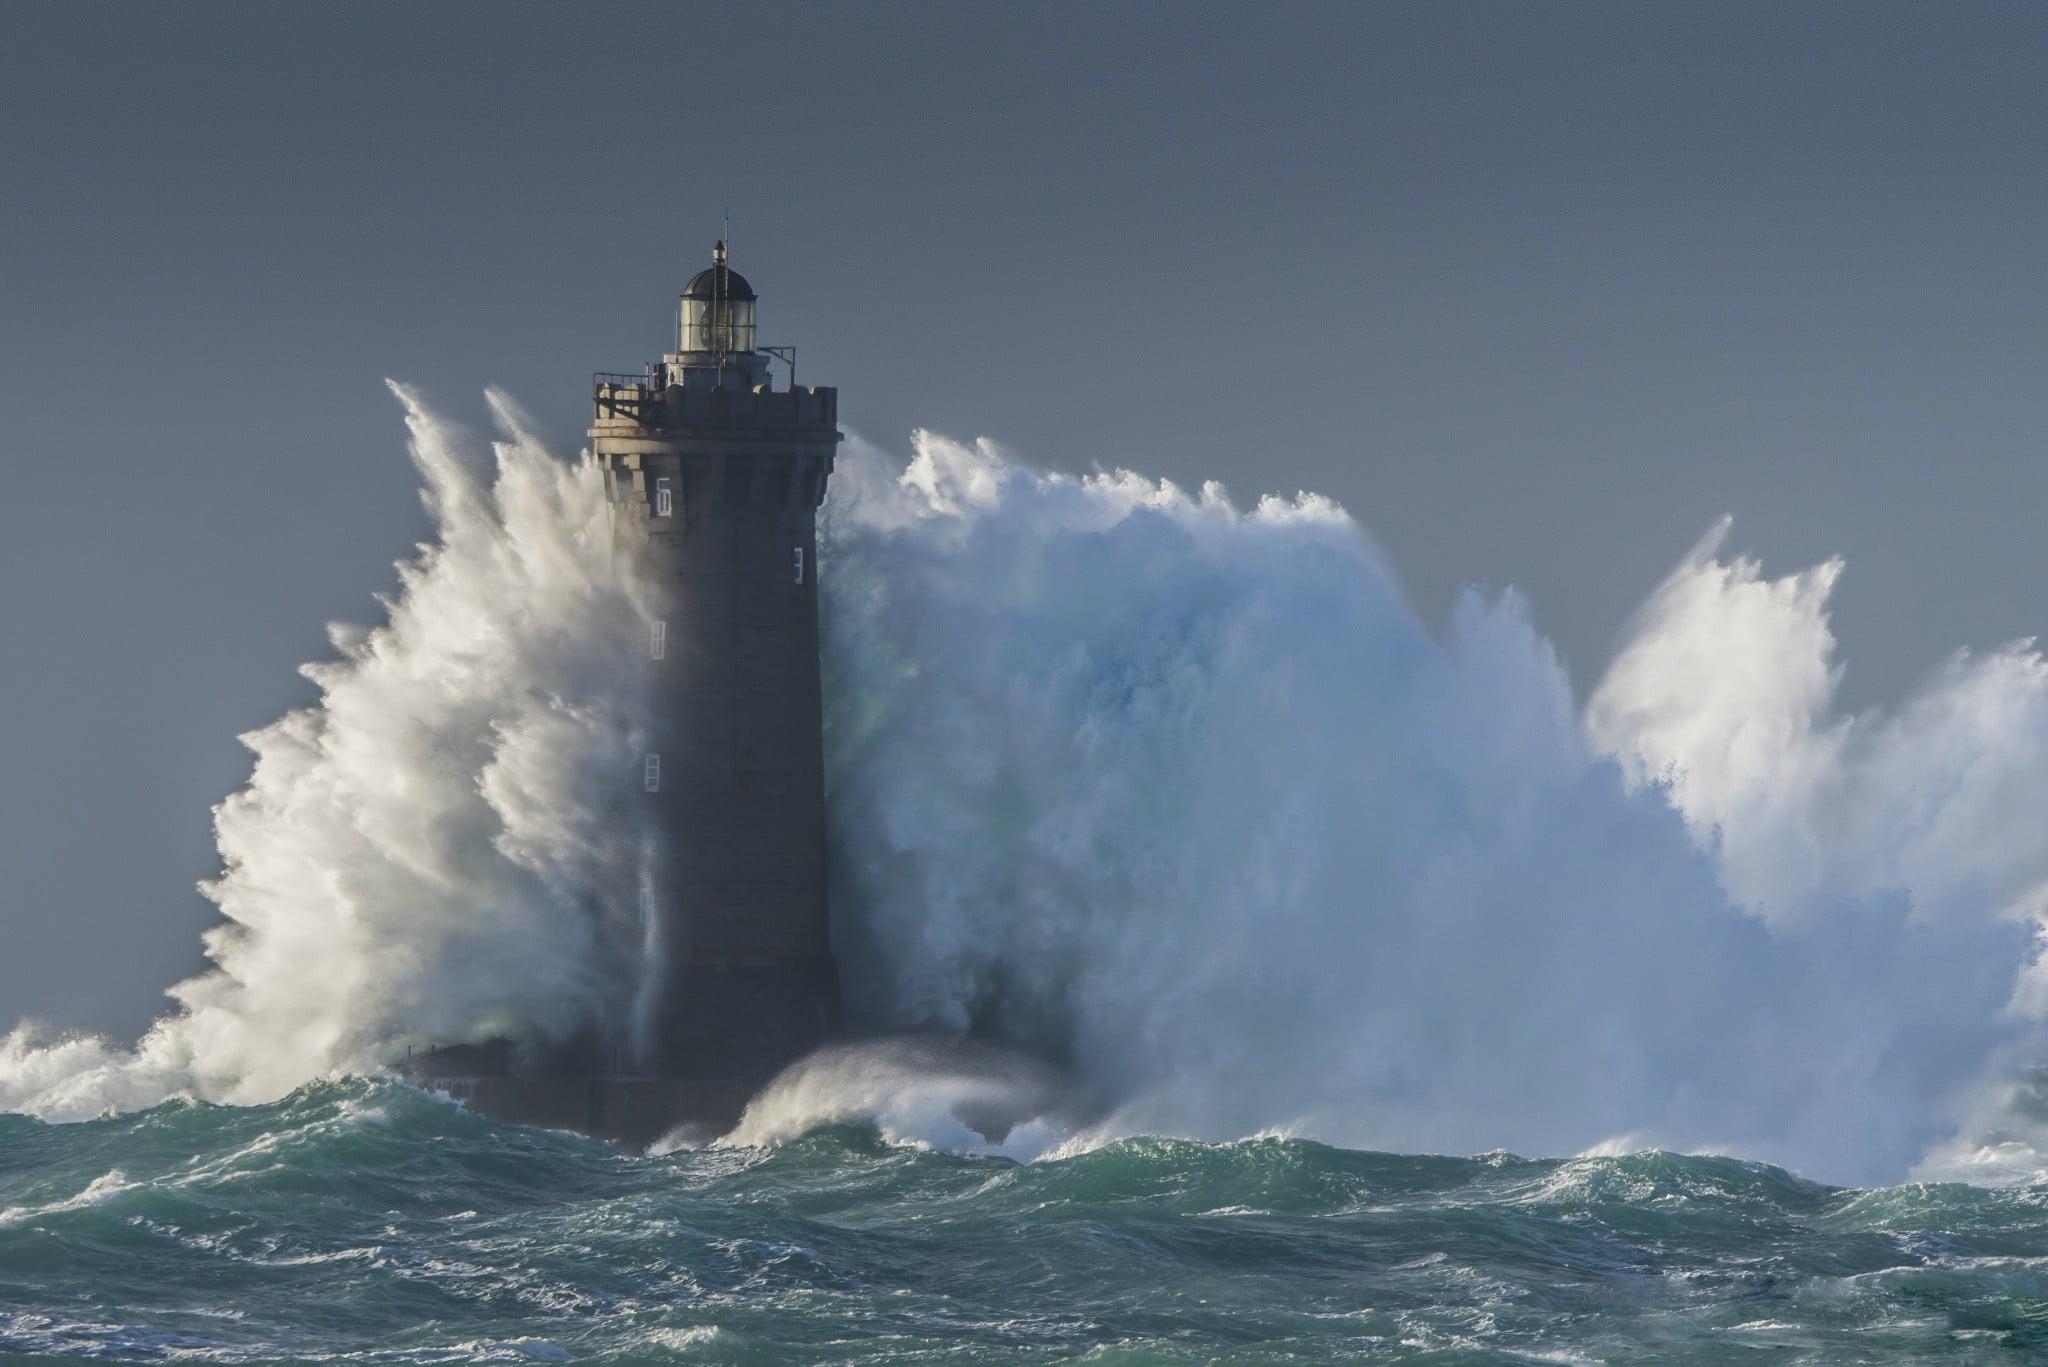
(748,1029)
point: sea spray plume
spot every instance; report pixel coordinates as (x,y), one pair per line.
(1723,695)
(1187,795)
(434,851)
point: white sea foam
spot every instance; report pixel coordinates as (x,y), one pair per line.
(101,1189)
(1184,794)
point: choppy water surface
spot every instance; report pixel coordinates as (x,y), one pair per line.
(367,1220)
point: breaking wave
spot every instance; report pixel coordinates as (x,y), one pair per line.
(1188,796)
(1185,797)
(433,850)
(935,1091)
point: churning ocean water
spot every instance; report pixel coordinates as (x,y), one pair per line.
(367,1221)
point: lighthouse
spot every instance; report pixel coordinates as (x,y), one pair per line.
(714,476)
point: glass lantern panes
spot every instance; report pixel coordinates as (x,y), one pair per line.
(717,325)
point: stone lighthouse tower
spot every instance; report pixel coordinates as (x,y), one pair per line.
(715,477)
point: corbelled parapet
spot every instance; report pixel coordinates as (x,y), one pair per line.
(625,403)
(751,445)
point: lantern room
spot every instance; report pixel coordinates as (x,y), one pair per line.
(717,313)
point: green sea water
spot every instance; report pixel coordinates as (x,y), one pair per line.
(364,1220)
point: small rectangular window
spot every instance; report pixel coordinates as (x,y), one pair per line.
(651,772)
(657,641)
(799,564)
(662,506)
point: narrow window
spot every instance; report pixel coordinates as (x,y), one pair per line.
(651,772)
(799,564)
(657,641)
(662,506)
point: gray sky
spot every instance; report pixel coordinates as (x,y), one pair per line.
(1537,291)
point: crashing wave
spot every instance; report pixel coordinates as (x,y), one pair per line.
(1185,794)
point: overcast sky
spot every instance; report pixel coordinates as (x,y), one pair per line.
(1538,291)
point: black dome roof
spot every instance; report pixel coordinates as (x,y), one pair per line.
(704,285)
